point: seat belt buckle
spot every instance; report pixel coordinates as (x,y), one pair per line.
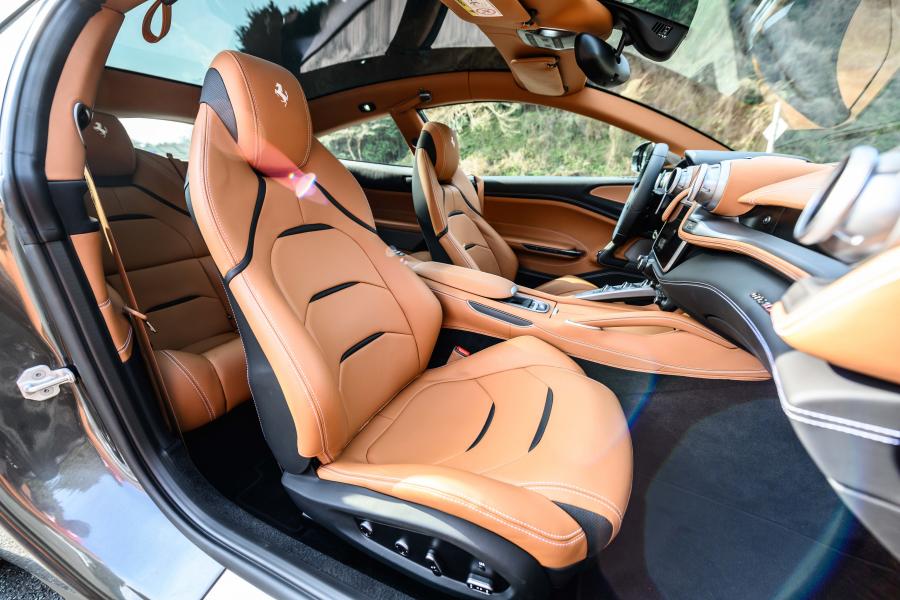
(139,315)
(457,353)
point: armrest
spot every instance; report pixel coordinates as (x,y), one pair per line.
(475,282)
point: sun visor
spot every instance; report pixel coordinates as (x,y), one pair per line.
(539,75)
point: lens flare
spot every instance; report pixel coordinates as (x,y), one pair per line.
(303,183)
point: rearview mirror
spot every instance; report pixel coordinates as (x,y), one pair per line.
(599,62)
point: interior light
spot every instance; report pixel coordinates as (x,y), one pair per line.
(367,107)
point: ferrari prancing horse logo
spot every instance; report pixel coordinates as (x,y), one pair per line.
(281,93)
(99,128)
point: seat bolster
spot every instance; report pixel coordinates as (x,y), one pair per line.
(523,517)
(231,367)
(566,286)
(506,258)
(193,387)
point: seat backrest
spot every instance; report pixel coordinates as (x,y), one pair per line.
(333,322)
(174,279)
(449,209)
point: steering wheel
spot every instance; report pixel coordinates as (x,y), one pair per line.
(640,194)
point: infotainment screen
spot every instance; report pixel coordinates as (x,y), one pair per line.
(668,245)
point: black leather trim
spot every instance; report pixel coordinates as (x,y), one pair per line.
(172,303)
(467,246)
(360,345)
(597,529)
(275,416)
(343,209)
(215,95)
(453,213)
(487,424)
(500,315)
(332,290)
(466,200)
(426,143)
(305,229)
(432,239)
(129,217)
(545,417)
(251,236)
(160,199)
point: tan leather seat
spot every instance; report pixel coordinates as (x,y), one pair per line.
(174,279)
(339,331)
(449,210)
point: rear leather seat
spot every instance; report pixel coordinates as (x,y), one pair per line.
(174,279)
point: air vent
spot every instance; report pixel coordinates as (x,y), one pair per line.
(662,29)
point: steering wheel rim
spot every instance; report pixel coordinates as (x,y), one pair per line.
(640,194)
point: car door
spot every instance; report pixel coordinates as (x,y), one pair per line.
(555,182)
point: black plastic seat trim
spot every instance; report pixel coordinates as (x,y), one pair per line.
(332,290)
(360,345)
(344,210)
(128,217)
(160,199)
(172,303)
(251,236)
(305,229)
(487,424)
(545,417)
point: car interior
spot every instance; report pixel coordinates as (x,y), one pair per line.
(415,377)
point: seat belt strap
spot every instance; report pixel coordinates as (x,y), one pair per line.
(175,166)
(140,321)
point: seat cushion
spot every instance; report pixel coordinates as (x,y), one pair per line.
(514,438)
(206,380)
(566,286)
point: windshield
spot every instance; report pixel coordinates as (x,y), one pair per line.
(799,77)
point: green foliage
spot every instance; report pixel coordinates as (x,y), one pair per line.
(511,138)
(376,141)
(502,138)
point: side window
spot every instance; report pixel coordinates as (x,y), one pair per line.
(160,136)
(513,138)
(375,141)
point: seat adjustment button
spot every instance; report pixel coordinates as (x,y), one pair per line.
(401,547)
(365,528)
(431,561)
(480,583)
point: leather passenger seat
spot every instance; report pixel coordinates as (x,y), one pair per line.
(174,279)
(449,211)
(501,470)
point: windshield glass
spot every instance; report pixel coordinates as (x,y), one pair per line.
(801,77)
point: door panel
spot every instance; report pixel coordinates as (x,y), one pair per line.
(541,216)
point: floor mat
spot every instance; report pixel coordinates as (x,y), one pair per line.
(726,503)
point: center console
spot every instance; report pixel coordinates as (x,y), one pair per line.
(638,338)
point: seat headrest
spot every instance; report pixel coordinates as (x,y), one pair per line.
(442,146)
(110,152)
(264,109)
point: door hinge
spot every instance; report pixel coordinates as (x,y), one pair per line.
(42,383)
